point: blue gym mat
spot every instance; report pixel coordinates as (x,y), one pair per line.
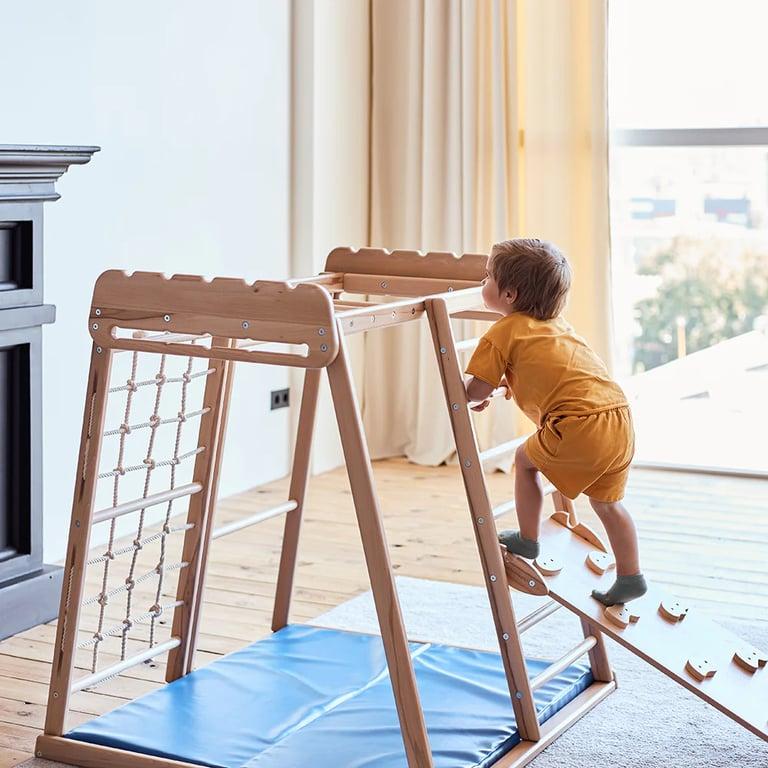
(307,695)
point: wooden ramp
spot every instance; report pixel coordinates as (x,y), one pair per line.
(697,653)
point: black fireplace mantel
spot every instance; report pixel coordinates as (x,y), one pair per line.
(29,590)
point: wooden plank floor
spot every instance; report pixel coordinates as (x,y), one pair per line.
(703,537)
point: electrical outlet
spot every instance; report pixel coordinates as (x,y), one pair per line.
(279,399)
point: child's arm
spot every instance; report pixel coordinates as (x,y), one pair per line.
(478,391)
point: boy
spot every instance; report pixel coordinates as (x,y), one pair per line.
(585,440)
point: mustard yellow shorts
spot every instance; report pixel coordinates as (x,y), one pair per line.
(587,454)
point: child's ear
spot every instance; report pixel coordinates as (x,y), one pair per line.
(510,297)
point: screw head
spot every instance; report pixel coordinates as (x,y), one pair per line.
(531,583)
(77,523)
(167,318)
(55,694)
(467,463)
(384,284)
(450,288)
(245,324)
(455,406)
(518,695)
(95,326)
(323,347)
(443,350)
(98,350)
(321,331)
(97,313)
(505,636)
(480,520)
(493,578)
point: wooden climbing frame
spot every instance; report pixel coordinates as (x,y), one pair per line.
(210,326)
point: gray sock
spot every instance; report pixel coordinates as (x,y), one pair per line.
(517,545)
(624,589)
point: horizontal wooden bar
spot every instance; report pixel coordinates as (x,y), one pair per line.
(389,285)
(149,501)
(461,346)
(97,756)
(565,661)
(326,279)
(121,666)
(476,314)
(258,517)
(509,506)
(348,304)
(503,448)
(532,619)
(383,315)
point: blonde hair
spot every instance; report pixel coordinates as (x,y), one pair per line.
(537,270)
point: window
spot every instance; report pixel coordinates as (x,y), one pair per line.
(689,219)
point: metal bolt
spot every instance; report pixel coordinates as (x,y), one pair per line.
(323,347)
(167,318)
(394,314)
(98,350)
(373,318)
(531,583)
(95,326)
(519,695)
(455,406)
(443,350)
(55,694)
(450,288)
(467,463)
(384,284)
(245,324)
(321,331)
(77,523)
(505,636)
(493,578)
(480,520)
(97,313)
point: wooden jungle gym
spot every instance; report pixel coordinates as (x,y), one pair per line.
(188,319)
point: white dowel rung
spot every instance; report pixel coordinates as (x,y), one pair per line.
(554,669)
(116,669)
(532,619)
(462,346)
(149,501)
(258,517)
(503,449)
(509,506)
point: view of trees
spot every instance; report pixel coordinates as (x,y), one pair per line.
(717,288)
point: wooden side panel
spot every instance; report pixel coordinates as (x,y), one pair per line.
(79,538)
(436,264)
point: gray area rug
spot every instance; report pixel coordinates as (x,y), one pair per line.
(649,722)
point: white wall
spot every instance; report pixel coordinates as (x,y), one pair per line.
(189,101)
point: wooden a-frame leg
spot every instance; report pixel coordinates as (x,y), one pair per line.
(598,655)
(302,453)
(186,618)
(377,560)
(483,522)
(79,539)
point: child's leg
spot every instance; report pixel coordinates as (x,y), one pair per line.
(529,501)
(622,534)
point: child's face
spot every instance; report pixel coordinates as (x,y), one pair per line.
(495,300)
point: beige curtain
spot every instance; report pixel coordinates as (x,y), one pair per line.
(488,121)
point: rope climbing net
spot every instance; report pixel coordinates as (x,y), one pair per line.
(144,464)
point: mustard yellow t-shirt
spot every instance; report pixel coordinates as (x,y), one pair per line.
(549,368)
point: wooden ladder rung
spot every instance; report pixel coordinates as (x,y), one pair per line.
(565,661)
(258,517)
(509,506)
(116,669)
(503,448)
(148,501)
